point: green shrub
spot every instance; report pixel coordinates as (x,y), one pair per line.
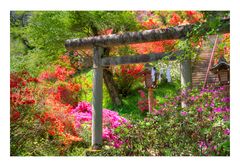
(202,128)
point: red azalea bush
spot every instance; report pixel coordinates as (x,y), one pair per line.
(66,92)
(62,94)
(126,76)
(49,114)
(21,96)
(44,109)
(59,73)
(153,47)
(22,107)
(154,22)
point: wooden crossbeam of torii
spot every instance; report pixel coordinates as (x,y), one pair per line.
(177,32)
(98,44)
(135,59)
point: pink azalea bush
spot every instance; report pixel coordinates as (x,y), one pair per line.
(205,120)
(111,121)
(201,128)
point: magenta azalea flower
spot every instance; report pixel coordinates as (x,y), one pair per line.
(217,110)
(183,113)
(225,99)
(227,131)
(199,109)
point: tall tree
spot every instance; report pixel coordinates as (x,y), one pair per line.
(47,31)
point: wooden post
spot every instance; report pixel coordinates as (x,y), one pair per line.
(150,100)
(97,98)
(186,76)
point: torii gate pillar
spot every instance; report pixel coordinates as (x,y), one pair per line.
(186,76)
(97,98)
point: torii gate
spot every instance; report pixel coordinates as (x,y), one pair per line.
(99,43)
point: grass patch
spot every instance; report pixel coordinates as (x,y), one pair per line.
(166,90)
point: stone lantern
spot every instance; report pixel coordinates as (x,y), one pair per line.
(150,76)
(150,82)
(222,69)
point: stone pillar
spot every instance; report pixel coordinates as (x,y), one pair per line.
(186,77)
(97,98)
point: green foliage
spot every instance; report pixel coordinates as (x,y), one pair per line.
(19,45)
(93,22)
(40,36)
(47,31)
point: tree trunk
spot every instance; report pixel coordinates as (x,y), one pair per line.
(109,82)
(111,87)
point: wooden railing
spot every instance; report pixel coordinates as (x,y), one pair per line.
(210,62)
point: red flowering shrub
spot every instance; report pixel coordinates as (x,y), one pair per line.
(175,19)
(66,93)
(126,76)
(22,106)
(44,107)
(61,97)
(190,17)
(21,96)
(58,121)
(153,47)
(59,73)
(194,16)
(150,24)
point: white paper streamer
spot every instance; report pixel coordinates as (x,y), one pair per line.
(160,74)
(168,74)
(153,72)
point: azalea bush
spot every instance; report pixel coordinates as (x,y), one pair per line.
(201,128)
(111,122)
(204,122)
(126,76)
(24,125)
(46,112)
